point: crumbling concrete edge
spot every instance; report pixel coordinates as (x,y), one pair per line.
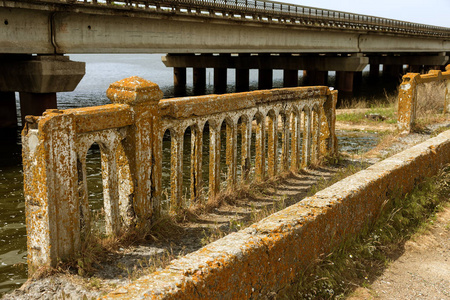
(269,255)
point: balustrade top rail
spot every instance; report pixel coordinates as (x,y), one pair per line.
(264,11)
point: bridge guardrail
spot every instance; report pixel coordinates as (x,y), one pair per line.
(409,95)
(269,11)
(130,135)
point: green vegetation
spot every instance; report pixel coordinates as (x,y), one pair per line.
(360,260)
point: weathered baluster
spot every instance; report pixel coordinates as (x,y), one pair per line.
(246,137)
(295,138)
(272,141)
(306,159)
(196,163)
(126,186)
(260,162)
(176,170)
(231,149)
(315,136)
(110,190)
(285,142)
(85,212)
(214,159)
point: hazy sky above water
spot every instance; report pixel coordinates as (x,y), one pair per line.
(431,12)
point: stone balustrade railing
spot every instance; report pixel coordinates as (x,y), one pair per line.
(130,135)
(409,95)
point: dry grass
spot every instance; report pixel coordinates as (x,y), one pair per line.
(430,100)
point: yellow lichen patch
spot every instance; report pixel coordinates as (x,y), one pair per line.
(134,90)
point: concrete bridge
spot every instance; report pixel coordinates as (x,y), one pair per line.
(200,34)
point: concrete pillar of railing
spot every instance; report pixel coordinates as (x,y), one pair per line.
(407,97)
(50,189)
(328,140)
(214,159)
(141,143)
(272,145)
(231,154)
(447,91)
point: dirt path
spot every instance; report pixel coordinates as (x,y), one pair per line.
(421,272)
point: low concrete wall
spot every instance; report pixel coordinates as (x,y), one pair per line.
(269,255)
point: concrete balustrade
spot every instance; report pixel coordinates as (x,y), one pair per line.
(130,135)
(408,96)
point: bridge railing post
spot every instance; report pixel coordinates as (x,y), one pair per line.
(407,97)
(328,140)
(142,143)
(50,189)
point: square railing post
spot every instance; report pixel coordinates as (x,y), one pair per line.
(50,189)
(141,143)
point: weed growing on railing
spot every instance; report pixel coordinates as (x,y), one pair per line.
(360,260)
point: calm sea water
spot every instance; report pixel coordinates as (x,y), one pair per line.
(101,70)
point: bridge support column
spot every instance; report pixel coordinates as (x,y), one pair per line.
(38,79)
(374,71)
(313,77)
(265,79)
(8,112)
(393,71)
(199,75)
(179,80)
(357,79)
(344,81)
(414,68)
(242,80)
(290,78)
(220,80)
(36,103)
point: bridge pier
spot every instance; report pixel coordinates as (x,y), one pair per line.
(344,82)
(242,80)
(34,104)
(265,79)
(179,80)
(290,78)
(393,71)
(199,77)
(220,80)
(374,70)
(37,79)
(313,77)
(8,111)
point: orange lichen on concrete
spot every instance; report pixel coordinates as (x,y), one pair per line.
(269,255)
(407,96)
(129,133)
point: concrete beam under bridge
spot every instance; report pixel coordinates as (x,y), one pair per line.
(38,79)
(439,59)
(355,62)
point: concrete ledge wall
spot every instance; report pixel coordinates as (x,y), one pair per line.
(270,255)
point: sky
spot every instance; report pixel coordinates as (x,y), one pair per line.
(430,12)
